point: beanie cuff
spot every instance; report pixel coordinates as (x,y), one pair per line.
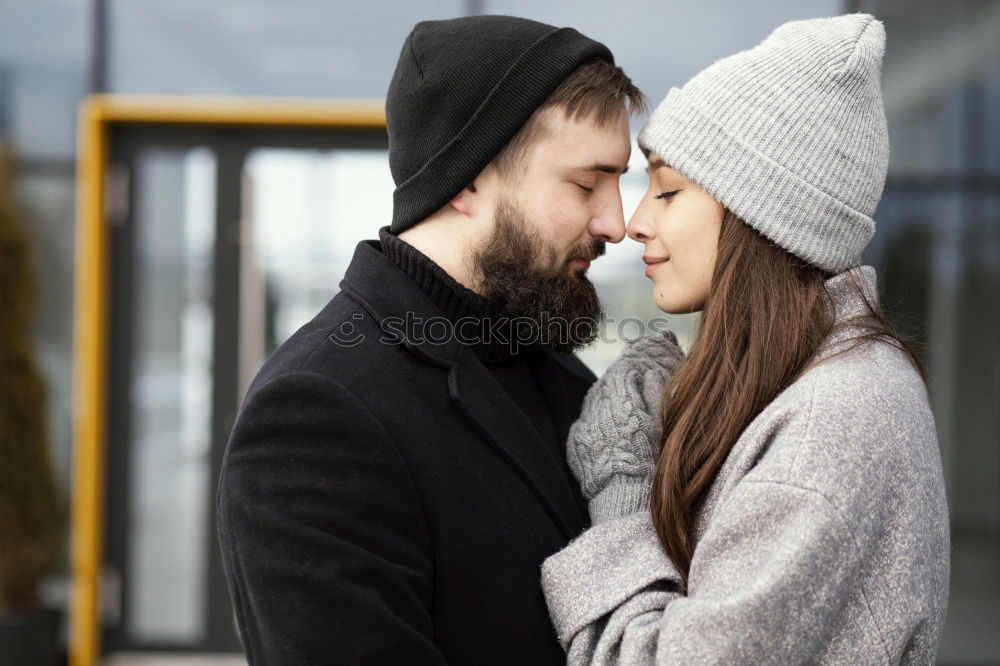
(787,210)
(523,88)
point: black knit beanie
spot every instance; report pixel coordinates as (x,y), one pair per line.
(462,89)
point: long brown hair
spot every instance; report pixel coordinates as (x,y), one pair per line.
(764,320)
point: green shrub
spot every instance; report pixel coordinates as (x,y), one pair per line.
(31,521)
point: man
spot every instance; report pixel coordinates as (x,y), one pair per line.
(396,474)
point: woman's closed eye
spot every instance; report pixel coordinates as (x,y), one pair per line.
(666,195)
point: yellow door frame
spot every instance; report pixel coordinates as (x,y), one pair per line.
(98,114)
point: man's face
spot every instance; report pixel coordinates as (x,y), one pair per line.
(550,221)
(568,191)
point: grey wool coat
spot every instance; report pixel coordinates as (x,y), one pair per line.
(824,538)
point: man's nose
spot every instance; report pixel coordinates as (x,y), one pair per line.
(609,223)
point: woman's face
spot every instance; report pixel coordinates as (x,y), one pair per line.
(679,224)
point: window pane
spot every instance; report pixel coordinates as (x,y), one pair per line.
(171,395)
(306,212)
(938,247)
(256,47)
(44,64)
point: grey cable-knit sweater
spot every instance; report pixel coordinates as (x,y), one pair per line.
(824,538)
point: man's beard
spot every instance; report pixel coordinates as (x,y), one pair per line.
(524,277)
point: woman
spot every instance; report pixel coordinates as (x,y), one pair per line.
(797,508)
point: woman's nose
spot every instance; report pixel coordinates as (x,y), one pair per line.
(638,228)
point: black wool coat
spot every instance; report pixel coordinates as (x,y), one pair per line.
(387,502)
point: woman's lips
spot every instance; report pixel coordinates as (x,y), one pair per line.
(652,263)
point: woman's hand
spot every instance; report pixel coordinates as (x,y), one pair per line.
(613,447)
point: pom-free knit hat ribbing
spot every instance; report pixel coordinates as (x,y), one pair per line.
(789,135)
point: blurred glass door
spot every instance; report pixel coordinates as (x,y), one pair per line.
(222,243)
(170,396)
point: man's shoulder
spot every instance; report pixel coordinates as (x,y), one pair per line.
(324,378)
(343,341)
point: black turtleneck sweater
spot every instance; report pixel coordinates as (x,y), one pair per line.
(512,366)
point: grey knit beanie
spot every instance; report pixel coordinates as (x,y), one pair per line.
(789,135)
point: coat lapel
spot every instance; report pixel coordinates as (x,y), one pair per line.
(564,380)
(509,431)
(385,291)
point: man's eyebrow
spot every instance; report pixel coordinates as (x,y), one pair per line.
(607,168)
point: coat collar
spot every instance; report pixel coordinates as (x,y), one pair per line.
(843,291)
(850,294)
(390,298)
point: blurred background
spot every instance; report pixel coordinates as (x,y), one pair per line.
(225,240)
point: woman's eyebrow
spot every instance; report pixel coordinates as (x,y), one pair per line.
(655,164)
(606,168)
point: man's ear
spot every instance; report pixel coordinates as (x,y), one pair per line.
(465,201)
